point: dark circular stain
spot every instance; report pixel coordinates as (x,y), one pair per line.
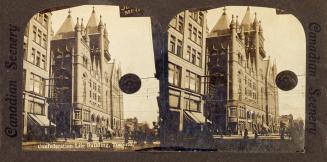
(130,83)
(286,80)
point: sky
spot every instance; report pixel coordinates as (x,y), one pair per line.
(284,42)
(131,44)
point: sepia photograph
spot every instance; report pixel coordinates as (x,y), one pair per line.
(236,81)
(89,81)
(222,73)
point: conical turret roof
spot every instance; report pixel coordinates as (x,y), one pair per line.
(222,25)
(92,24)
(67,29)
(247,20)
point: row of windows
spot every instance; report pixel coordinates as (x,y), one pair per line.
(39,37)
(178,23)
(251,84)
(37,59)
(174,74)
(197,17)
(192,81)
(192,103)
(42,19)
(250,93)
(35,108)
(191,55)
(85,116)
(194,34)
(36,84)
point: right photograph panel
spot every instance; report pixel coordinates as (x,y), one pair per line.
(236,79)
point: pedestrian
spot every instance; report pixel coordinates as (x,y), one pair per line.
(246,134)
(126,137)
(100,138)
(90,137)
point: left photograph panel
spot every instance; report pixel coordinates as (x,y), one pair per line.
(85,85)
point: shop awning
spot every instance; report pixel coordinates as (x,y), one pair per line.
(41,120)
(196,117)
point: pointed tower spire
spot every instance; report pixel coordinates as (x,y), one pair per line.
(100,23)
(67,29)
(247,20)
(92,24)
(105,30)
(82,24)
(77,26)
(232,23)
(69,12)
(222,26)
(237,24)
(255,22)
(87,38)
(242,33)
(260,27)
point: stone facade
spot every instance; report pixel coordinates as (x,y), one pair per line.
(84,80)
(241,90)
(36,75)
(186,66)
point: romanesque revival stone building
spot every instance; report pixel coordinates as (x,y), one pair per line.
(241,90)
(84,80)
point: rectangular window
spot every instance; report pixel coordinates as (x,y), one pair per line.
(24,78)
(192,103)
(174,74)
(43,62)
(200,38)
(193,58)
(172,44)
(44,42)
(25,51)
(192,81)
(188,53)
(195,31)
(187,80)
(34,33)
(38,59)
(45,20)
(32,57)
(37,84)
(77,115)
(179,48)
(39,37)
(198,59)
(174,101)
(180,26)
(201,18)
(189,31)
